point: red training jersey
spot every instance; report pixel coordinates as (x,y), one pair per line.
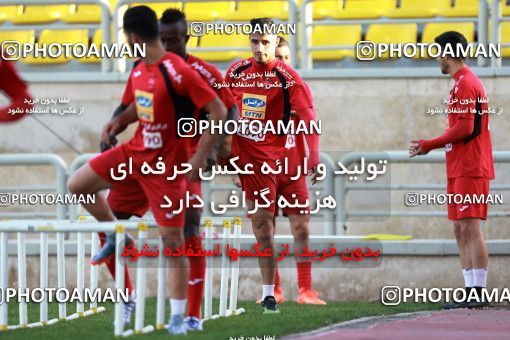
(165,92)
(208,72)
(264,92)
(471,157)
(212,76)
(16,89)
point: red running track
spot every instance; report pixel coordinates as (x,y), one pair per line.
(462,324)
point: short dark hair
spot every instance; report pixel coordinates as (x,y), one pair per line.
(142,21)
(453,39)
(171,16)
(283,42)
(263,25)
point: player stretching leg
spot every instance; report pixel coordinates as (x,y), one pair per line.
(173,31)
(267,103)
(299,223)
(168,85)
(469,164)
(130,200)
(106,255)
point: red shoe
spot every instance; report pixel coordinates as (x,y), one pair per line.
(309,297)
(278,296)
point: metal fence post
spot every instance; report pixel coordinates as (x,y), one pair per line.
(496,29)
(306,34)
(483,25)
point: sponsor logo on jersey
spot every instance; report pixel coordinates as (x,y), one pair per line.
(145,105)
(254,106)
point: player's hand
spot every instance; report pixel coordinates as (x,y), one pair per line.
(236,180)
(103,146)
(211,161)
(196,163)
(314,174)
(225,148)
(110,130)
(415,149)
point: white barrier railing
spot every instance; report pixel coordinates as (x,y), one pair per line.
(60,187)
(342,185)
(21,227)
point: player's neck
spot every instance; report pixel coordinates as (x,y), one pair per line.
(266,65)
(456,68)
(154,52)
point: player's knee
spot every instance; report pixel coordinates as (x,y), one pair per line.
(191,231)
(192,223)
(122,216)
(265,239)
(262,227)
(172,237)
(74,185)
(173,242)
(301,231)
(457,230)
(469,231)
(464,234)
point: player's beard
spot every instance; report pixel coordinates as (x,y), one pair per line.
(444,68)
(261,58)
(131,45)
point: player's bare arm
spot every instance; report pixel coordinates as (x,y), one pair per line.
(118,124)
(312,140)
(462,129)
(218,113)
(103,146)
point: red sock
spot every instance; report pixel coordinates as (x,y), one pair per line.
(277,279)
(111,267)
(304,275)
(196,277)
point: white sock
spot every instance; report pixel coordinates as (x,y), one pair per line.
(267,290)
(468,278)
(480,277)
(177,307)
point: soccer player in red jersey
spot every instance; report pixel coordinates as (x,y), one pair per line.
(165,89)
(296,147)
(17,91)
(128,200)
(253,83)
(469,164)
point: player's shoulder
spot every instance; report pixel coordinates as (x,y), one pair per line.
(6,65)
(207,70)
(287,72)
(137,62)
(239,66)
(194,60)
(174,59)
(469,81)
(136,70)
(175,67)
